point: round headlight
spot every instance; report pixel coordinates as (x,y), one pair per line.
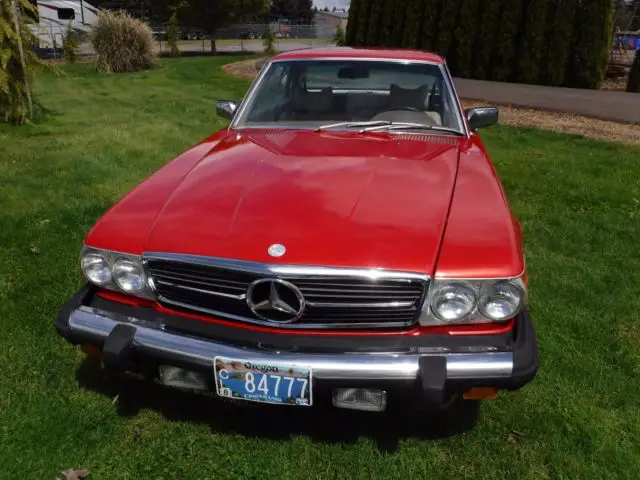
(96,268)
(500,300)
(453,302)
(128,276)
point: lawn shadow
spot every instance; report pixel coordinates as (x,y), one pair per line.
(323,423)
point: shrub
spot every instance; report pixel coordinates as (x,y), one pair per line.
(18,62)
(592,39)
(70,44)
(122,43)
(466,37)
(557,47)
(633,85)
(533,41)
(339,37)
(269,42)
(430,18)
(489,28)
(173,35)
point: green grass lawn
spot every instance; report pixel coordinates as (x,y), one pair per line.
(578,200)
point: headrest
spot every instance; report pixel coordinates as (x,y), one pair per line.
(409,97)
(313,102)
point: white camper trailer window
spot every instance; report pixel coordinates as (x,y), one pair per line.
(66,14)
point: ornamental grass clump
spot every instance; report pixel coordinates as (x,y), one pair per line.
(122,43)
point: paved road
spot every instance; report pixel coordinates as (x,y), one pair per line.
(605,105)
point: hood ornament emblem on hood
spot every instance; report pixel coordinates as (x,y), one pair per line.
(277,250)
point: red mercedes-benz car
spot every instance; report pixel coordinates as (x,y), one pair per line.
(344,240)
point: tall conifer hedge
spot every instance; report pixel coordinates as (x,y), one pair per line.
(553,42)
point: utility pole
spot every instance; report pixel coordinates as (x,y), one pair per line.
(82,12)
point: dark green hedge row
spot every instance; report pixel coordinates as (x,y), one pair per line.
(551,42)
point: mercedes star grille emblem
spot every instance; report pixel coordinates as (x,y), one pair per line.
(277,250)
(275,300)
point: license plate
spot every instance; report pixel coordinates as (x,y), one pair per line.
(278,383)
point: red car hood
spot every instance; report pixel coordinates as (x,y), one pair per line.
(331,199)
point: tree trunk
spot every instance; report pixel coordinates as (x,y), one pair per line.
(213,45)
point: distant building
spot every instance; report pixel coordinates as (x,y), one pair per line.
(326,23)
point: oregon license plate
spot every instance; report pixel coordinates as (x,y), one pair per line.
(270,382)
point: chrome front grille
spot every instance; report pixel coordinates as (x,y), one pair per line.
(334,297)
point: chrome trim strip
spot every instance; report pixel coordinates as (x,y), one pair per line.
(345,366)
(363,305)
(279,269)
(200,290)
(454,93)
(249,95)
(297,326)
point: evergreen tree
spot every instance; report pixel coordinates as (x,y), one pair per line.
(533,41)
(397,31)
(447,26)
(430,19)
(486,41)
(506,41)
(353,22)
(70,44)
(374,27)
(557,45)
(361,33)
(633,85)
(591,43)
(465,37)
(18,61)
(413,24)
(386,25)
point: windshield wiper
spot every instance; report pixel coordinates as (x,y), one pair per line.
(375,123)
(409,126)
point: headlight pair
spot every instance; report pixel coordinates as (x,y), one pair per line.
(116,271)
(473,301)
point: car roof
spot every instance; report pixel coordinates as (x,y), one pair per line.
(363,53)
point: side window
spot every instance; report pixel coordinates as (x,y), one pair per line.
(66,14)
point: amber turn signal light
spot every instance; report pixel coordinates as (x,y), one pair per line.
(480,393)
(91,350)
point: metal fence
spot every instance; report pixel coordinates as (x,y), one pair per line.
(245,38)
(235,39)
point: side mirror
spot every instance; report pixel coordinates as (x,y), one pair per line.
(481,117)
(226,108)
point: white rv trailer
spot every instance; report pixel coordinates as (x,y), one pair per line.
(54,17)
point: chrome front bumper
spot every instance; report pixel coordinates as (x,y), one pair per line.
(482,364)
(434,365)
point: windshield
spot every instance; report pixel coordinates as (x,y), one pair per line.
(344,93)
